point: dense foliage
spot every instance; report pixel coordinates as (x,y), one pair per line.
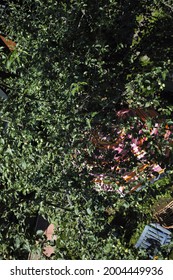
(75,64)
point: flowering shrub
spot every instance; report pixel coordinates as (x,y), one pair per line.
(115,151)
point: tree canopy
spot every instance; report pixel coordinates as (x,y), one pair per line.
(76,63)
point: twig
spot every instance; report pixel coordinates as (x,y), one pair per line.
(167,5)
